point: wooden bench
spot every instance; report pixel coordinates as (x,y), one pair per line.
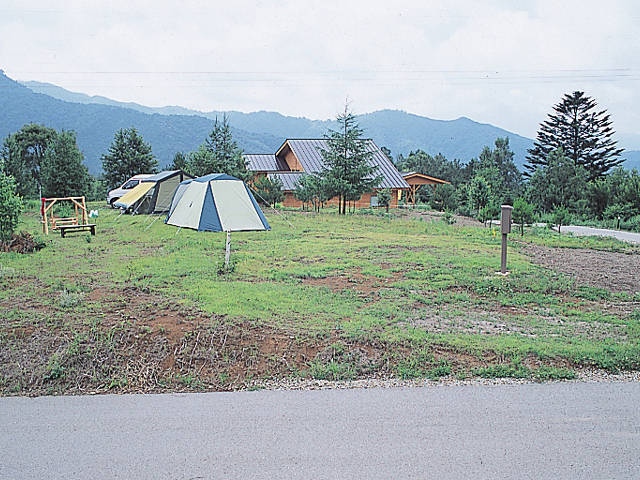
(76,228)
(63,222)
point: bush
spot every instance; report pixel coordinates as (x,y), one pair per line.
(561,216)
(632,224)
(523,213)
(10,207)
(269,191)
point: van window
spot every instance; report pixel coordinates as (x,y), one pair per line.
(130,184)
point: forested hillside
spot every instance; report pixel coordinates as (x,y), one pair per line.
(263,132)
(96,124)
(173,129)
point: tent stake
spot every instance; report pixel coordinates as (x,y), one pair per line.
(227,251)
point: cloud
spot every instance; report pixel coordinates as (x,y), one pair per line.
(500,62)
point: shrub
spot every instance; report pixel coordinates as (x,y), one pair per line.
(561,216)
(632,224)
(10,207)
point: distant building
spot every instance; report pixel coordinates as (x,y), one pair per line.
(297,157)
(416,180)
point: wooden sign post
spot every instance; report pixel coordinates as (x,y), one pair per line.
(505,227)
(227,251)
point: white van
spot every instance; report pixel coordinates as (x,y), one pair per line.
(115,194)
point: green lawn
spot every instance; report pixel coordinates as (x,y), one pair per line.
(421,293)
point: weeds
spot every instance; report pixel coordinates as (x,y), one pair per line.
(544,374)
(339,362)
(342,283)
(70,299)
(502,371)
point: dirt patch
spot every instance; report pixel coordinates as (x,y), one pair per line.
(434,216)
(132,341)
(365,286)
(617,272)
(135,341)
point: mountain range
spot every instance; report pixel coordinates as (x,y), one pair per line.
(175,129)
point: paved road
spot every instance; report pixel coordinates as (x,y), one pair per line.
(548,431)
(602,232)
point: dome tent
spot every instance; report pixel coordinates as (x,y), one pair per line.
(216,203)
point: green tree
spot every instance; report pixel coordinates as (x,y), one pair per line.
(444,198)
(22,155)
(499,170)
(435,166)
(598,196)
(624,186)
(523,213)
(488,212)
(560,183)
(10,207)
(347,170)
(312,189)
(219,154)
(63,172)
(201,162)
(384,198)
(269,190)
(128,155)
(618,212)
(179,162)
(561,216)
(9,149)
(479,194)
(304,191)
(584,134)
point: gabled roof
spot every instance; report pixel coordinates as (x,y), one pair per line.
(422,178)
(289,180)
(307,151)
(265,163)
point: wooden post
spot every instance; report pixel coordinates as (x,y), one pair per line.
(227,251)
(505,227)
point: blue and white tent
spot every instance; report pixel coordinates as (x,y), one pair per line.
(216,203)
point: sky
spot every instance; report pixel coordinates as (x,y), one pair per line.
(501,62)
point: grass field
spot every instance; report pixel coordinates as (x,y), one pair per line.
(143,306)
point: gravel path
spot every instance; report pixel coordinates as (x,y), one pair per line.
(586,376)
(602,232)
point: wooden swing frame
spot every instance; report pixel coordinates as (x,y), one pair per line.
(79,222)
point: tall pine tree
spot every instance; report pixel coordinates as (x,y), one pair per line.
(584,135)
(218,154)
(348,172)
(128,155)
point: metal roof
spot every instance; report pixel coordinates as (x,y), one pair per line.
(265,163)
(289,180)
(308,154)
(307,151)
